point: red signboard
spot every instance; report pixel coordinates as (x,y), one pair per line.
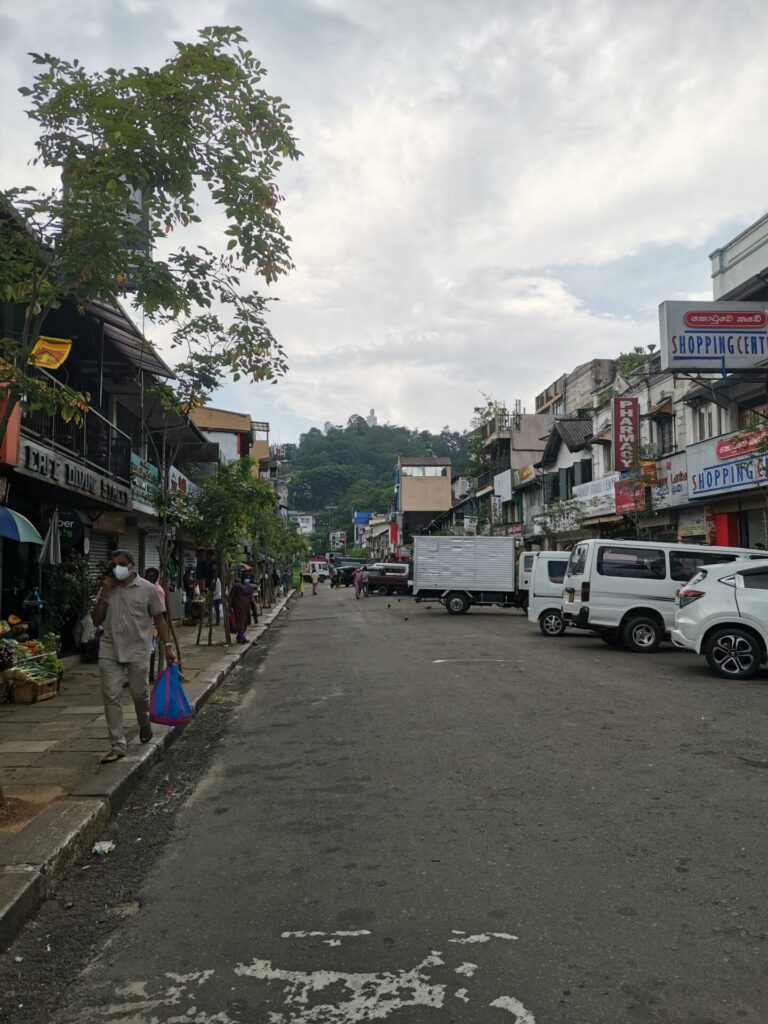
(742,444)
(626,433)
(724,318)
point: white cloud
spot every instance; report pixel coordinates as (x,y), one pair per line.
(455,150)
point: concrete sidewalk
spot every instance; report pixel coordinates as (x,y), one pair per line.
(50,754)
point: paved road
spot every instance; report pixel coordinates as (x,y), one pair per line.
(416,817)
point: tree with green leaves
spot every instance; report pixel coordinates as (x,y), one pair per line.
(137,151)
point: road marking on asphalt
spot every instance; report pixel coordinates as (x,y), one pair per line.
(309,997)
(475,661)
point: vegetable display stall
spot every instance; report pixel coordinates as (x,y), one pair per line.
(30,670)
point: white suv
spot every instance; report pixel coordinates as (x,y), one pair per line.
(722,613)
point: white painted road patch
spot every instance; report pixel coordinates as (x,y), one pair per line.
(322,996)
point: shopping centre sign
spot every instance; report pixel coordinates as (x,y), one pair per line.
(736,462)
(713,337)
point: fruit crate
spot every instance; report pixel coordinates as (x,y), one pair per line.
(33,690)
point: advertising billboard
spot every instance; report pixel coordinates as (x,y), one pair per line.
(713,337)
(671,486)
(625,420)
(735,462)
(598,497)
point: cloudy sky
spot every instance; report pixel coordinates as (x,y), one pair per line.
(492,191)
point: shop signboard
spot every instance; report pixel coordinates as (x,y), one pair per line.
(514,529)
(495,508)
(722,465)
(713,336)
(598,497)
(696,522)
(470,525)
(51,467)
(306,525)
(625,420)
(145,481)
(671,486)
(71,527)
(178,482)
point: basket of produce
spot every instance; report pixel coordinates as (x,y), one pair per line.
(29,684)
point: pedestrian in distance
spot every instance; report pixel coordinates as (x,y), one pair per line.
(286,581)
(129,609)
(365,580)
(240,603)
(217,598)
(315,580)
(357,580)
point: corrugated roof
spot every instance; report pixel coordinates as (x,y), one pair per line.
(126,337)
(575,432)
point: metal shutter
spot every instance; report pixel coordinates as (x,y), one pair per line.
(101,546)
(151,558)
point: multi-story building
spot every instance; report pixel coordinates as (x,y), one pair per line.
(237,435)
(573,391)
(422,490)
(99,475)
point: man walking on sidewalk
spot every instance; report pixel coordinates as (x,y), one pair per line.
(130,609)
(315,580)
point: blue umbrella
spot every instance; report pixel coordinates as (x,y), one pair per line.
(15,526)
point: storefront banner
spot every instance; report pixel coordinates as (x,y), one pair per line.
(178,482)
(598,497)
(696,522)
(145,482)
(722,465)
(496,508)
(713,336)
(625,420)
(630,495)
(671,487)
(52,468)
(470,525)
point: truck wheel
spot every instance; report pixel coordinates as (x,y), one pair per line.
(456,604)
(642,634)
(382,590)
(551,623)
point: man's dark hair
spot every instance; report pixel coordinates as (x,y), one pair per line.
(125,554)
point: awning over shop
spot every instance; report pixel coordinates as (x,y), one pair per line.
(597,520)
(123,334)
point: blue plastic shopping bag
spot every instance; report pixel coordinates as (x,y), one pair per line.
(168,704)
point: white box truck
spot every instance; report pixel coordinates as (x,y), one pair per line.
(462,571)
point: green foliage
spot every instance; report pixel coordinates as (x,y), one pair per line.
(135,150)
(230,508)
(66,591)
(629,363)
(352,467)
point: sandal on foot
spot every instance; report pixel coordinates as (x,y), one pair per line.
(145,733)
(114,755)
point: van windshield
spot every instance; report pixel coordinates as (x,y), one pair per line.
(578,560)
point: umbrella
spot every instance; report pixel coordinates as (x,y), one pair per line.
(50,553)
(15,526)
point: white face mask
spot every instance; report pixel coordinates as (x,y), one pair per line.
(121,572)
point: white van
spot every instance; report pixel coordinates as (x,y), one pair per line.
(545,593)
(624,590)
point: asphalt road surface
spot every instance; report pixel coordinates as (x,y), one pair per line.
(399,815)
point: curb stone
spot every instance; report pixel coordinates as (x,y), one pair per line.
(34,860)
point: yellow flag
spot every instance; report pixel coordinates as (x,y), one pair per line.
(50,353)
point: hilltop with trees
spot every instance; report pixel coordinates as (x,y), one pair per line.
(351,467)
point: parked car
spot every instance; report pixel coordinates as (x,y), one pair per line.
(722,613)
(389,578)
(545,591)
(624,590)
(343,570)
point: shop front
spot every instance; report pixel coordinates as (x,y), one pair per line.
(730,475)
(45,483)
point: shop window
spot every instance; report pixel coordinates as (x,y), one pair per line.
(665,425)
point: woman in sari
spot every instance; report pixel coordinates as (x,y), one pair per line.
(357,579)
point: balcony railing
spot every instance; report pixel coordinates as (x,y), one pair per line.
(94,441)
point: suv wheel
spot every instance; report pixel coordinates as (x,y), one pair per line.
(551,623)
(642,634)
(733,653)
(456,604)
